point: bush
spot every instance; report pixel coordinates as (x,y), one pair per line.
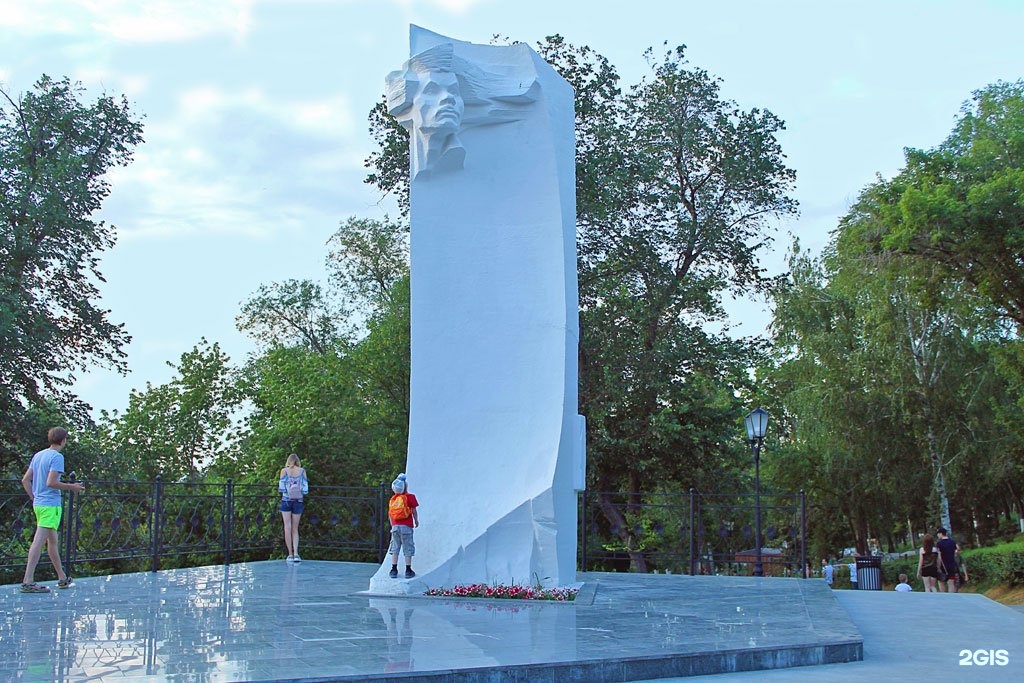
(891,569)
(993,565)
(998,564)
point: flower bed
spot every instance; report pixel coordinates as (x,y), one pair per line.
(513,592)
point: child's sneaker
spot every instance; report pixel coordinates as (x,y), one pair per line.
(409,573)
(296,558)
(289,559)
(393,573)
(66,582)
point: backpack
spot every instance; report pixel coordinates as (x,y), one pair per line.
(398,508)
(294,487)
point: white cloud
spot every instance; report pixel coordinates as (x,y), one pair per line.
(236,162)
(332,116)
(207,103)
(452,6)
(145,21)
(132,86)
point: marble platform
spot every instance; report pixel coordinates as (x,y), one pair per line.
(271,621)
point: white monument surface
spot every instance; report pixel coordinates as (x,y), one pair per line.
(496,448)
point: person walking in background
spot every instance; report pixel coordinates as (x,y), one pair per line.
(903,586)
(948,548)
(962,576)
(828,571)
(293,486)
(853,575)
(929,563)
(404,517)
(43,485)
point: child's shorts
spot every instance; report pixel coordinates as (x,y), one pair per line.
(47,516)
(401,539)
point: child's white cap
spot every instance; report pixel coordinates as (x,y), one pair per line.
(399,485)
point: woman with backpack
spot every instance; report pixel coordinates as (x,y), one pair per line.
(293,485)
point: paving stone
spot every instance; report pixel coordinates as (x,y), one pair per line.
(278,621)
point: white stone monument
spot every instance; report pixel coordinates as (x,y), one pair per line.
(496,448)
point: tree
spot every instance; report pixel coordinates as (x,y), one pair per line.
(300,402)
(843,435)
(701,184)
(341,398)
(367,259)
(961,205)
(945,236)
(294,312)
(176,430)
(886,370)
(55,153)
(676,189)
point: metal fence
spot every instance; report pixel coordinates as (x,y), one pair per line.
(692,533)
(123,526)
(135,526)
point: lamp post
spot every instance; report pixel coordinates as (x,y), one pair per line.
(756,423)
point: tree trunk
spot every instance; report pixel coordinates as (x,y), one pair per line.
(940,479)
(637,562)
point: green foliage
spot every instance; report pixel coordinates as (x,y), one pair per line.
(697,186)
(997,564)
(176,429)
(886,372)
(961,205)
(389,164)
(892,568)
(55,153)
(293,312)
(989,566)
(301,402)
(339,399)
(895,348)
(676,191)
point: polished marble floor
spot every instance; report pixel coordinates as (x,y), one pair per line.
(267,621)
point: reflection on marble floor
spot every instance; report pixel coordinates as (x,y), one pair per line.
(272,620)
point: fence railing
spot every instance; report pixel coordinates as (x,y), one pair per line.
(119,526)
(135,526)
(692,533)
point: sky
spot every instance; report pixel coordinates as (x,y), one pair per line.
(255,115)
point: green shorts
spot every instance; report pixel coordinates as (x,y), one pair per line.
(48,516)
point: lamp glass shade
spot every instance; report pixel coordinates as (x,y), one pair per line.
(756,423)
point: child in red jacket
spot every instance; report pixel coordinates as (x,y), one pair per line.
(403,515)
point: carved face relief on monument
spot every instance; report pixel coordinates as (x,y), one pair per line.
(438,104)
(438,94)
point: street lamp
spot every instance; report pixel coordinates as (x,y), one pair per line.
(756,423)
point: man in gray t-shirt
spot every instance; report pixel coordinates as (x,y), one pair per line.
(43,485)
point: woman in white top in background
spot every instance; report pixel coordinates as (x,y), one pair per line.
(293,485)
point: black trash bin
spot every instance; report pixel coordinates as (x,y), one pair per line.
(869,573)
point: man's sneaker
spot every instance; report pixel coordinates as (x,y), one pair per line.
(296,558)
(393,573)
(33,588)
(66,582)
(409,573)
